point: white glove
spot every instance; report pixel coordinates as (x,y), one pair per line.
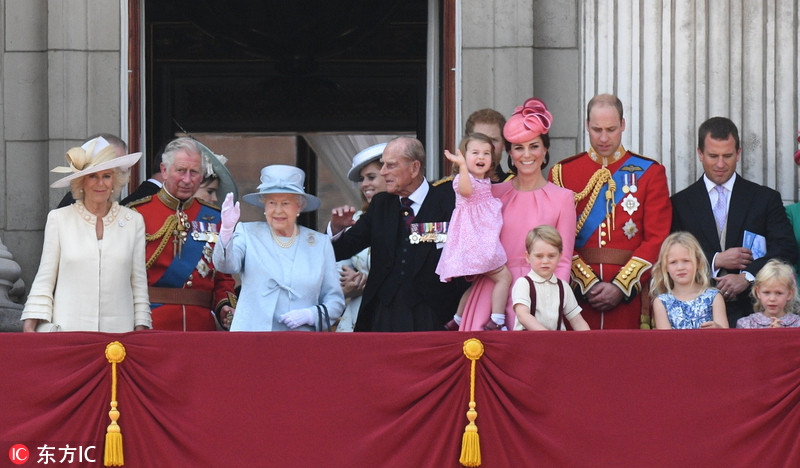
(230,215)
(295,318)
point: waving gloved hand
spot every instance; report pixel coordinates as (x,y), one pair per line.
(230,215)
(295,318)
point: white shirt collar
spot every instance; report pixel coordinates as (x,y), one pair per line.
(418,195)
(538,279)
(728,184)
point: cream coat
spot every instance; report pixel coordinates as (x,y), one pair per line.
(87,285)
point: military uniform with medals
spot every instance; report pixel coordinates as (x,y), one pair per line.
(624,214)
(183,284)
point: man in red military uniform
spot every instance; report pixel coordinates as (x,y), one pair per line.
(624,214)
(181,232)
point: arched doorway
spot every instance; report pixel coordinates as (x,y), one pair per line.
(274,81)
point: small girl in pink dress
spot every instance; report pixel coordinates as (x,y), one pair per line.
(473,234)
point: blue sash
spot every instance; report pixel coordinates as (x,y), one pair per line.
(635,165)
(180,268)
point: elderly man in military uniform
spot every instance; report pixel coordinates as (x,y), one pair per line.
(624,214)
(186,291)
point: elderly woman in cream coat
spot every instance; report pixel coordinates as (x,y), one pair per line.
(289,275)
(92,273)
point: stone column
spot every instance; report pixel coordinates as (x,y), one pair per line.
(10,288)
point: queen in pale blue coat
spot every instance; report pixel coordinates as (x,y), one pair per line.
(288,272)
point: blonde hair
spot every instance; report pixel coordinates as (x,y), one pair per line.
(661,281)
(776,271)
(119,179)
(546,234)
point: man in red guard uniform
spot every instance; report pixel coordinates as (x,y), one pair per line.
(624,214)
(181,232)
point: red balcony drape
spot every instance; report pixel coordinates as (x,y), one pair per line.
(600,398)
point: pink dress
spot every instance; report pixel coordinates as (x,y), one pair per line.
(473,245)
(523,211)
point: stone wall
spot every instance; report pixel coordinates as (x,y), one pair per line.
(514,49)
(61,82)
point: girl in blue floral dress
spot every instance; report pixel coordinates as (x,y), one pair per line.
(680,286)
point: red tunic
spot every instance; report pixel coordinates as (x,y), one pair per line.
(197,272)
(620,249)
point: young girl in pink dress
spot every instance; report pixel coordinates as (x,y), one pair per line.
(528,200)
(473,234)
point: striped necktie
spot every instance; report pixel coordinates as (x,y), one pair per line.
(406,212)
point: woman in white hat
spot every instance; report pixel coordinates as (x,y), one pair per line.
(366,171)
(92,273)
(289,276)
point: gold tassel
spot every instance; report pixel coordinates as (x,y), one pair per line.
(470,442)
(611,212)
(115,353)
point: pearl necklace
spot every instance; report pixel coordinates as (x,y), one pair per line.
(281,243)
(91,218)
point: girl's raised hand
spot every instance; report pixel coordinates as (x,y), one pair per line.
(457,158)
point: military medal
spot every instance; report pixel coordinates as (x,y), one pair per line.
(630,229)
(203,268)
(428,232)
(630,204)
(204,232)
(625,186)
(633,188)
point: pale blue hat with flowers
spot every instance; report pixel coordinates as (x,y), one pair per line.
(279,178)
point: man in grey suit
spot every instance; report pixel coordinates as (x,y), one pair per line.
(739,224)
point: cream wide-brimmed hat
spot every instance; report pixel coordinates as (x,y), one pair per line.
(279,178)
(93,156)
(364,157)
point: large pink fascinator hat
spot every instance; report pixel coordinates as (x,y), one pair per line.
(797,154)
(528,121)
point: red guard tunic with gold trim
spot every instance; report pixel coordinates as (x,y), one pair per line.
(625,245)
(156,211)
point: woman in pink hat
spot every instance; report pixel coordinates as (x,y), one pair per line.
(92,273)
(529,200)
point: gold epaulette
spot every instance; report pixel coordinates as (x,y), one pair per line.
(443,180)
(628,277)
(582,275)
(139,201)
